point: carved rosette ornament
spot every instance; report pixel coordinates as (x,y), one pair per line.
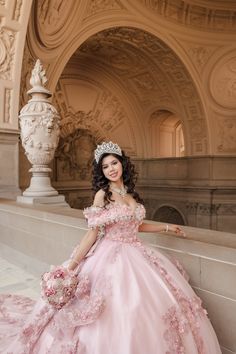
(39,122)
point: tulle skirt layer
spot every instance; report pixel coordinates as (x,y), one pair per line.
(138,302)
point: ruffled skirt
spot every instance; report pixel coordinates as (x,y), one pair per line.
(137,302)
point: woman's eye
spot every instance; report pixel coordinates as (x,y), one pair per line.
(104,167)
(114,163)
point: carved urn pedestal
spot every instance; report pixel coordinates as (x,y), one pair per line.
(39,122)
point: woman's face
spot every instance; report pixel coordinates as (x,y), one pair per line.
(112,168)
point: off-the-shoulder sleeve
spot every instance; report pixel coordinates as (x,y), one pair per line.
(96,216)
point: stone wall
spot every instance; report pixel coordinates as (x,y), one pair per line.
(202,190)
(14,19)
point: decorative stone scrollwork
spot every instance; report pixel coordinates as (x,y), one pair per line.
(145,82)
(87,127)
(106,116)
(8,95)
(74,156)
(39,122)
(96,6)
(223,82)
(227,135)
(227,209)
(192,208)
(7,48)
(52,13)
(52,19)
(200,55)
(17,10)
(208,209)
(202,208)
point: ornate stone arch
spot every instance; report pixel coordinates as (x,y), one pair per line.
(169,214)
(155,41)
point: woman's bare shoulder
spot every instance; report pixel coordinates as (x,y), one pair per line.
(99,198)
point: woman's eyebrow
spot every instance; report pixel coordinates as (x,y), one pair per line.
(105,164)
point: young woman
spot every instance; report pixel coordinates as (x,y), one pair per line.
(138,302)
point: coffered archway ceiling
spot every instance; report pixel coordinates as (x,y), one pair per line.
(149,74)
(146,56)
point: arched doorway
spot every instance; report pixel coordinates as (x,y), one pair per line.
(110,86)
(166,132)
(169,214)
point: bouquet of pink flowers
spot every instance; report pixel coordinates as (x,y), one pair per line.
(58,286)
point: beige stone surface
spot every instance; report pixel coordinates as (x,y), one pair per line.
(9,174)
(222,314)
(219,277)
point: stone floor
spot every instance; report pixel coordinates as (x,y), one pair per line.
(15,280)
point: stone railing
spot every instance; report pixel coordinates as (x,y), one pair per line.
(202,190)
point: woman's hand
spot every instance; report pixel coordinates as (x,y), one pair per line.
(176,229)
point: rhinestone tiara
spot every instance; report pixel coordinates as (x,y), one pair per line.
(107,148)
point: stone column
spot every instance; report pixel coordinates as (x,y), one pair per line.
(39,123)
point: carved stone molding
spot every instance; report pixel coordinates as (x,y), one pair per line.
(51,19)
(199,53)
(223,81)
(8,101)
(105,117)
(17,10)
(7,49)
(74,156)
(226,134)
(192,208)
(227,209)
(196,208)
(206,16)
(96,6)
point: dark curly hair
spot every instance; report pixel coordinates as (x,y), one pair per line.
(99,181)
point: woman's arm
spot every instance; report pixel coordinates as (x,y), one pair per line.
(84,246)
(90,237)
(146,227)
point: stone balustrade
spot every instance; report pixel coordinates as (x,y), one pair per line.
(39,236)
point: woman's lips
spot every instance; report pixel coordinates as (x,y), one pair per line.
(113,175)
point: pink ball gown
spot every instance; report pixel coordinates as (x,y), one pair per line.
(137,302)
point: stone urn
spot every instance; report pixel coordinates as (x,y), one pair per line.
(39,123)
